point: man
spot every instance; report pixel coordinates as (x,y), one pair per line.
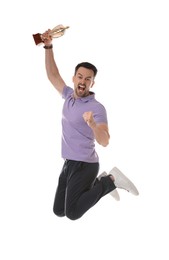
(84,120)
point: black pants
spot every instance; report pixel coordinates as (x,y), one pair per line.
(79,189)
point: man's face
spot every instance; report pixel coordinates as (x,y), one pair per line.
(83,81)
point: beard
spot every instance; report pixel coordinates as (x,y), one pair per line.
(81,91)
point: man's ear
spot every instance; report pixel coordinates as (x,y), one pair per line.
(92,84)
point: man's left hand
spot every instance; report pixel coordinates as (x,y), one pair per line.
(88,118)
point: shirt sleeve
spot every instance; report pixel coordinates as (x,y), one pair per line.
(67,91)
(100,115)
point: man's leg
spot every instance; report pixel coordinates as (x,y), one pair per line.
(84,190)
(59,202)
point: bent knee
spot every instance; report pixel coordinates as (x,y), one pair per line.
(72,215)
(58,213)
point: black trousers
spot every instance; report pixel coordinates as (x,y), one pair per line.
(79,189)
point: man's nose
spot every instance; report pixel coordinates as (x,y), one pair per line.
(83,81)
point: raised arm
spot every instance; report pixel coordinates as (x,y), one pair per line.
(50,64)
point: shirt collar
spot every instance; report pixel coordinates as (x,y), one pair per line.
(85,99)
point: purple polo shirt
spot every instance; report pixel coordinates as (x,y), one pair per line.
(78,141)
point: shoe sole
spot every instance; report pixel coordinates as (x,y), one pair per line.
(115,194)
(119,175)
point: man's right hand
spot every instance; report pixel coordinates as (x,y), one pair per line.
(47,38)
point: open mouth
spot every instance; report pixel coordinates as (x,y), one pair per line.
(81,88)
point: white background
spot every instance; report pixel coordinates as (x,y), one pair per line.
(128,41)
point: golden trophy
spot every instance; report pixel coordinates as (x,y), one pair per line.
(56,32)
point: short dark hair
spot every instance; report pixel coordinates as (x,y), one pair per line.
(86,65)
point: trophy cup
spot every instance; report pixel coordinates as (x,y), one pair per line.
(56,32)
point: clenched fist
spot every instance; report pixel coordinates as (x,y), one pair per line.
(88,118)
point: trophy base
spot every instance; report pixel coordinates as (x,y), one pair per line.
(37,38)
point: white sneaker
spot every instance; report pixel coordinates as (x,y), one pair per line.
(103,174)
(122,182)
(113,193)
